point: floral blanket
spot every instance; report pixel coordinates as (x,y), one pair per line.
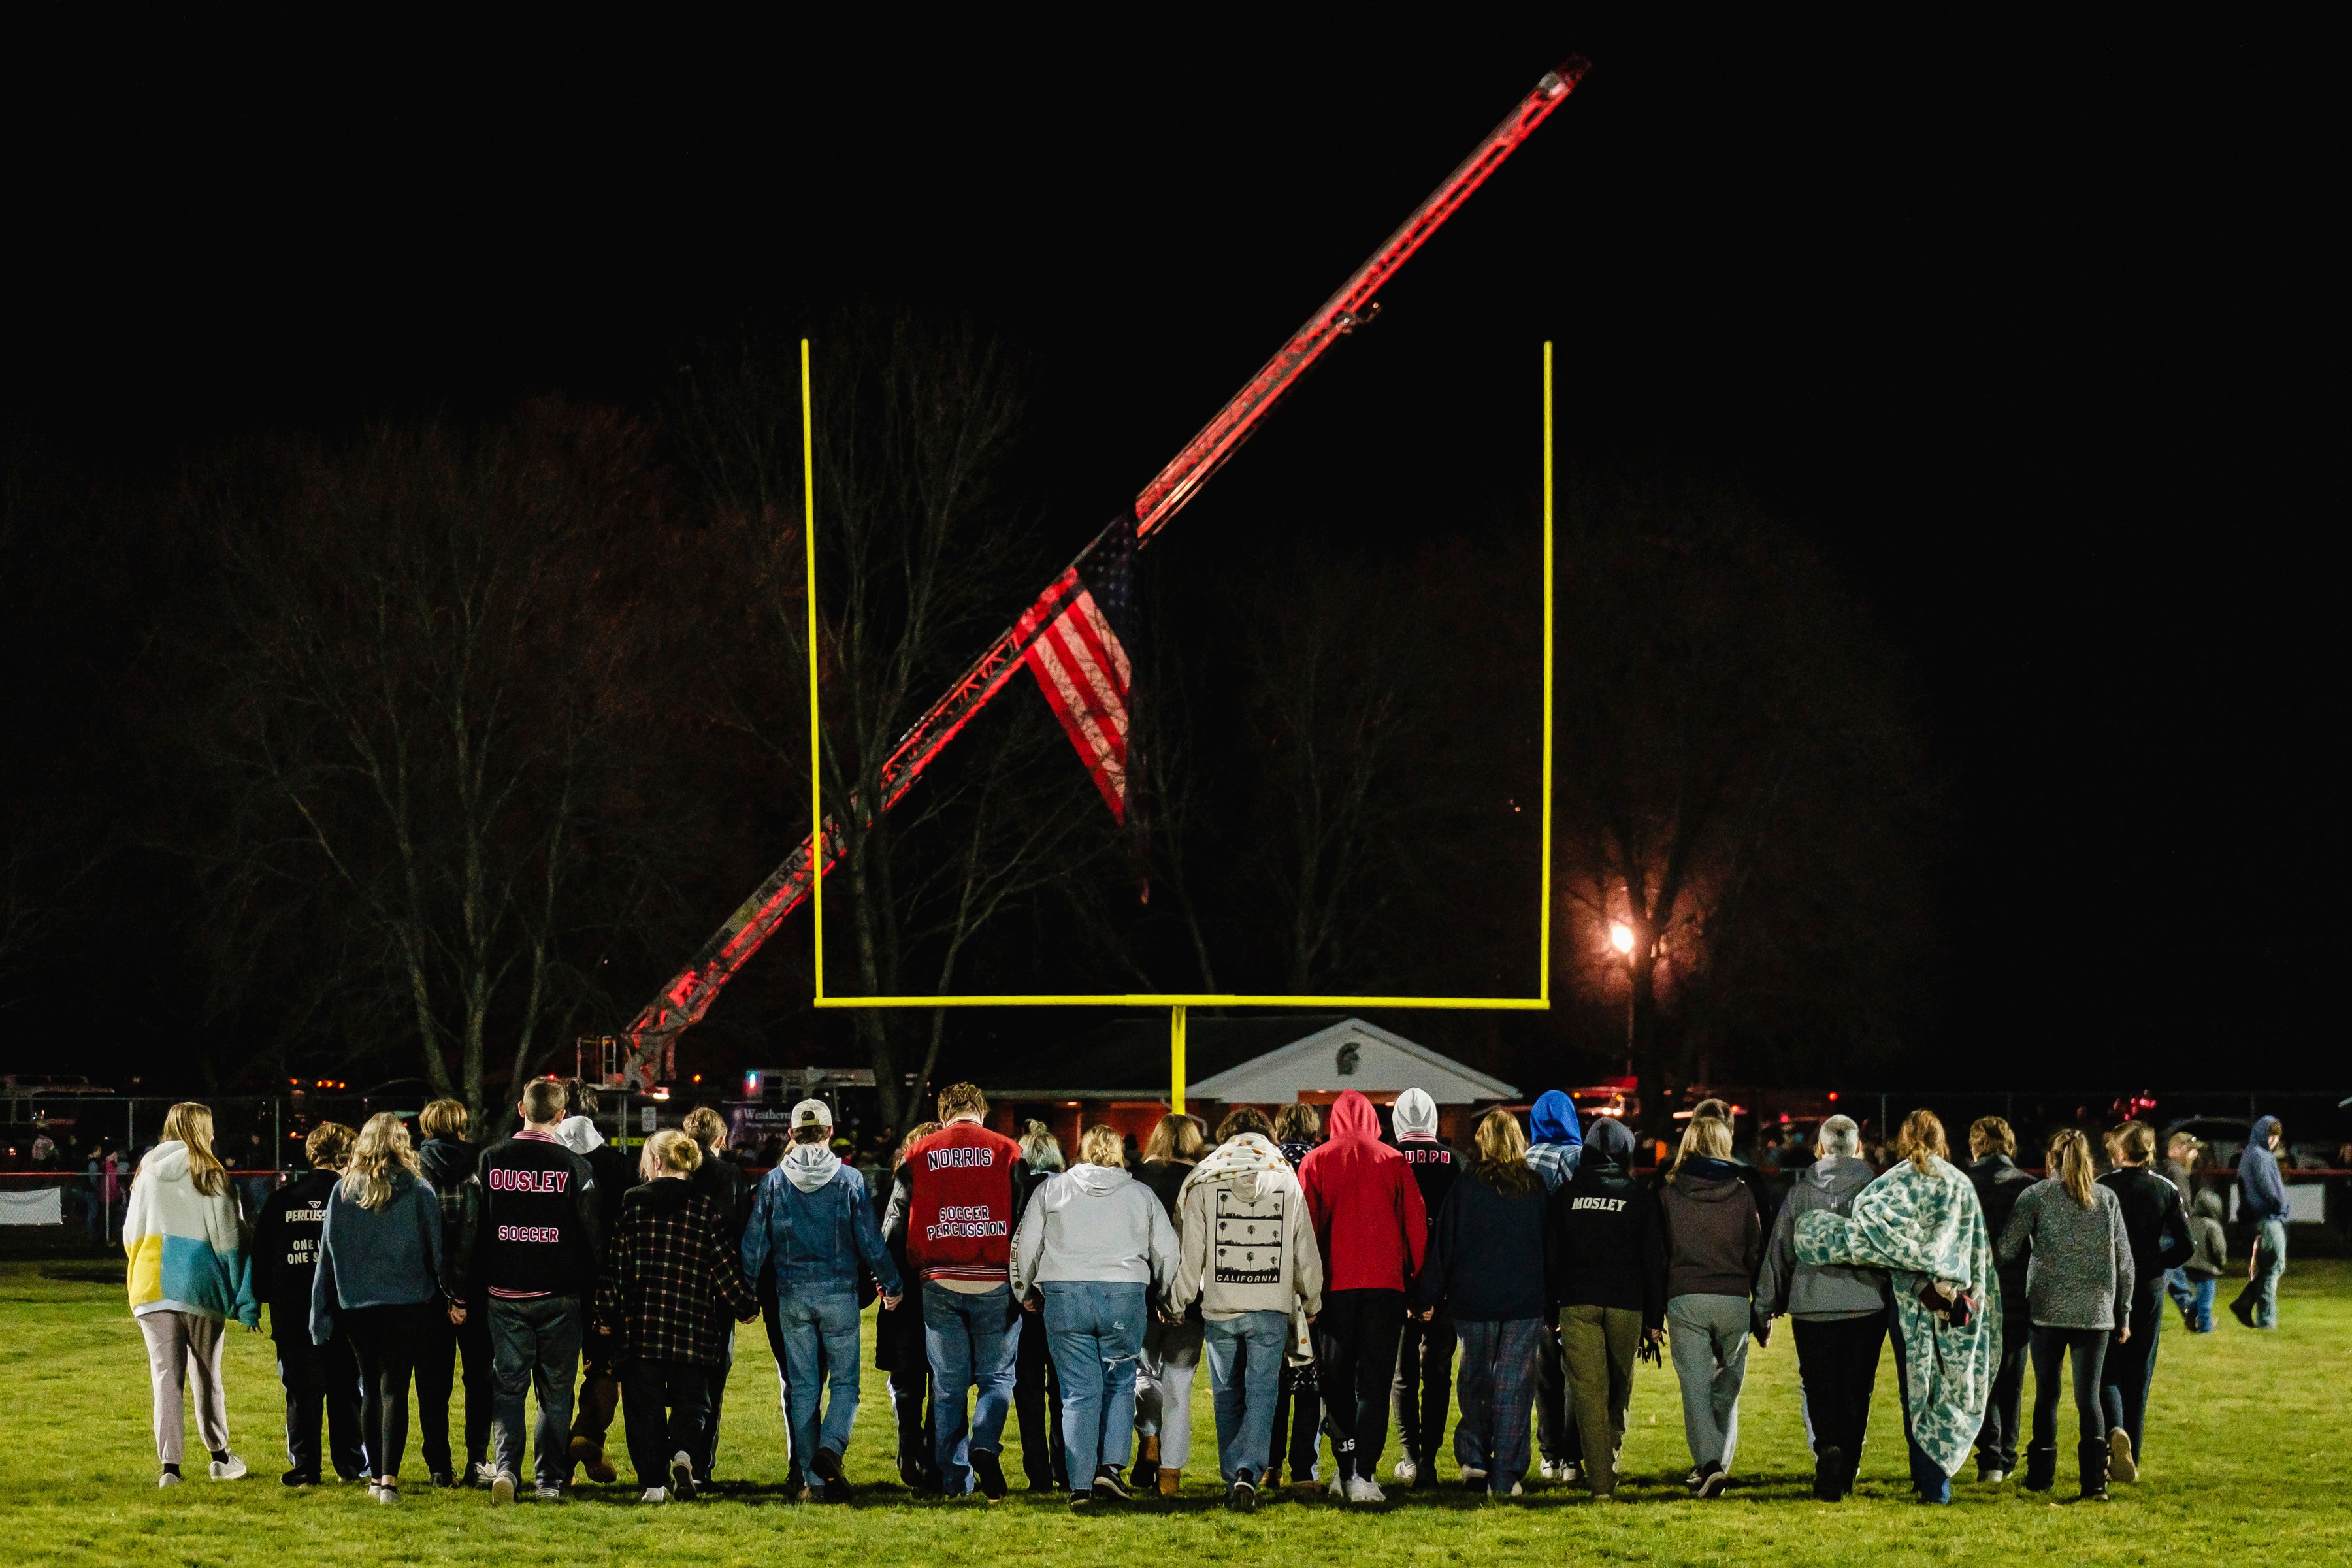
(1924,1229)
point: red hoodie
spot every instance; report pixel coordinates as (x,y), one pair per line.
(1366,1205)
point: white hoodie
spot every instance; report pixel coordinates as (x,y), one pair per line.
(1093,1222)
(1249,1246)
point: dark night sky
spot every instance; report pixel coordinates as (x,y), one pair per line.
(2013,324)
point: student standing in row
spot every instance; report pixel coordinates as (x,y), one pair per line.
(898,1337)
(1172,1352)
(1993,1169)
(1715,1243)
(1555,1142)
(286,1260)
(1036,1387)
(1605,1264)
(379,1282)
(719,1179)
(1298,1406)
(189,1274)
(2072,1228)
(2157,1227)
(1424,1373)
(446,1161)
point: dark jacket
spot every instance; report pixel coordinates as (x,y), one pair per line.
(1434,1168)
(1823,1291)
(1604,1244)
(2210,1257)
(2262,1191)
(723,1181)
(532,1223)
(286,1252)
(2153,1218)
(898,1331)
(670,1280)
(1999,1182)
(1715,1237)
(448,1164)
(1479,1253)
(1166,1179)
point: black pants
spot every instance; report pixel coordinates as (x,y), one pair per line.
(2089,1348)
(1997,1438)
(668,1401)
(1555,1416)
(1355,1354)
(1297,1414)
(445,1346)
(705,1448)
(1837,1358)
(1038,1403)
(313,1373)
(386,1340)
(2130,1366)
(1424,1373)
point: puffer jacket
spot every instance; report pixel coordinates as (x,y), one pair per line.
(1097,1222)
(1818,1291)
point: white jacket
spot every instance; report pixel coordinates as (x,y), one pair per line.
(1248,1245)
(1093,1222)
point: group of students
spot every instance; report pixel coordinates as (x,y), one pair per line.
(1325,1280)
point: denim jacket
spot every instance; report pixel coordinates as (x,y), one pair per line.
(810,1243)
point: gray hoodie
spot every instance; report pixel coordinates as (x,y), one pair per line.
(1093,1222)
(1247,1243)
(1818,1292)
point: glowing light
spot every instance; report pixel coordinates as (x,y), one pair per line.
(1620,937)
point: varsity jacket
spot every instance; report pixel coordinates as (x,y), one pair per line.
(968,1190)
(530,1224)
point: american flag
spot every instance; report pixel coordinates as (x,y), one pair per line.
(1080,658)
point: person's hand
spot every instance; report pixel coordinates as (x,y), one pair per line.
(752,1316)
(457,1313)
(889,1300)
(2123,1336)
(1763,1332)
(1033,1304)
(1427,1313)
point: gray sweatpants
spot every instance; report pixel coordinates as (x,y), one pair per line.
(180,1344)
(1709,1336)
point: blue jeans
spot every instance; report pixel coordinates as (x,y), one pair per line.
(2269,1255)
(534,1347)
(1245,1357)
(811,1325)
(1928,1478)
(970,1341)
(2183,1291)
(1095,1328)
(2200,1314)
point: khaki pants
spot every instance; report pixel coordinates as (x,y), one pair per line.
(179,1343)
(1599,1344)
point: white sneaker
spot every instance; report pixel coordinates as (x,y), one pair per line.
(1406,1472)
(655,1494)
(228,1470)
(1549,1470)
(1363,1489)
(1338,1485)
(1473,1476)
(549,1494)
(167,1479)
(502,1487)
(383,1494)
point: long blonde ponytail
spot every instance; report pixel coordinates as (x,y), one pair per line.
(2070,1161)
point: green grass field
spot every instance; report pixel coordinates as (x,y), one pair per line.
(2247,1435)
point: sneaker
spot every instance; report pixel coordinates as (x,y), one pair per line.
(991,1474)
(1517,1489)
(681,1475)
(1338,1485)
(1993,1478)
(383,1491)
(1363,1489)
(502,1487)
(478,1473)
(655,1494)
(548,1493)
(1406,1472)
(444,1479)
(1550,1470)
(228,1469)
(297,1479)
(2120,1465)
(1712,1482)
(168,1478)
(1082,1500)
(1829,1473)
(1108,1487)
(1472,1475)
(1242,1496)
(1694,1479)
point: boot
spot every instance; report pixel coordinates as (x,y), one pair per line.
(2094,1456)
(1170,1482)
(1829,1474)
(2041,1468)
(1147,1463)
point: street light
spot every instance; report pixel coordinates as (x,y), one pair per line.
(1620,937)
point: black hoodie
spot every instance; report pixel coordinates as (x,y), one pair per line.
(286,1252)
(448,1164)
(1715,1237)
(1603,1243)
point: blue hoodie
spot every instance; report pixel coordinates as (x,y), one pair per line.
(1555,1144)
(2262,1194)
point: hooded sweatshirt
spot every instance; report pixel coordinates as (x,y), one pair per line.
(1824,1291)
(1554,1140)
(1245,1242)
(1434,1167)
(2211,1258)
(811,1226)
(1606,1245)
(1367,1208)
(448,1164)
(1097,1223)
(1715,1240)
(389,1257)
(1485,1252)
(286,1252)
(186,1252)
(2262,1194)
(614,1175)
(2000,1183)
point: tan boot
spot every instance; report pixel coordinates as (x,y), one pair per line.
(1140,1474)
(1170,1482)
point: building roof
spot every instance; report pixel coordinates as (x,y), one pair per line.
(1263,1060)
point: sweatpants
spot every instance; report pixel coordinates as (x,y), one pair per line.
(1424,1377)
(667,1403)
(1710,1338)
(181,1347)
(314,1375)
(1498,1390)
(1598,1347)
(1837,1360)
(386,1340)
(2130,1366)
(1356,1349)
(448,1351)
(1163,1387)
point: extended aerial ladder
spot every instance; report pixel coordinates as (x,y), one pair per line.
(652,1035)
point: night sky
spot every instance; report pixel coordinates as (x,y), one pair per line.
(2028,331)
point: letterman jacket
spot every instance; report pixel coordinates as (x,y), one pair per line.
(530,1223)
(968,1190)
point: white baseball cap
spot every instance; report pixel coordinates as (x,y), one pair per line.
(811,1113)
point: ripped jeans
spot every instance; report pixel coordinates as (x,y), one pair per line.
(1095,1330)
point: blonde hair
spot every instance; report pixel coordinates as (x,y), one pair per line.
(1040,1148)
(1103,1145)
(1922,1139)
(2070,1163)
(1298,1123)
(708,1127)
(667,1151)
(1177,1137)
(443,1119)
(329,1146)
(1707,1137)
(1991,1135)
(962,1100)
(383,1146)
(915,1135)
(2135,1140)
(1503,1155)
(191,1124)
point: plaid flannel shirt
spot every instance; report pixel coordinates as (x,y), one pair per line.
(671,1281)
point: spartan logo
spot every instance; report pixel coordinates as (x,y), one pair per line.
(1249,1239)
